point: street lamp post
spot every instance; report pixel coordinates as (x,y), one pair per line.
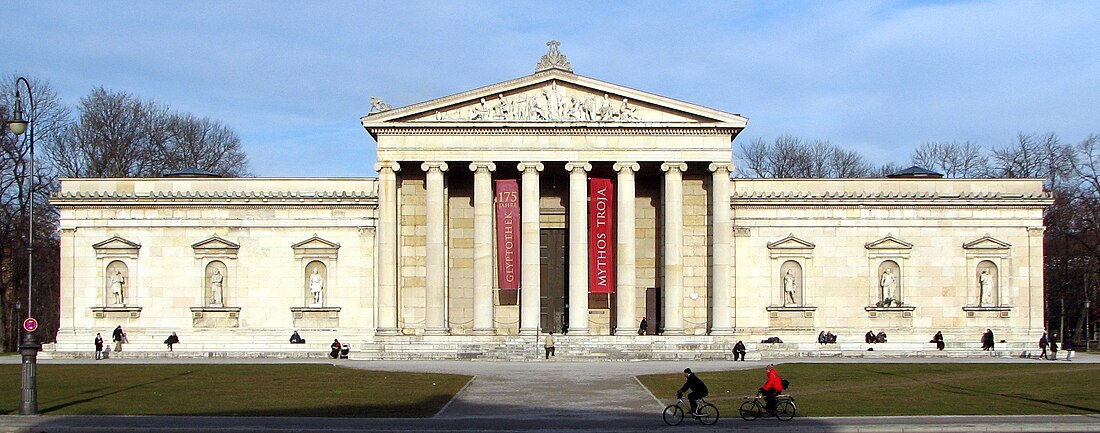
(28,348)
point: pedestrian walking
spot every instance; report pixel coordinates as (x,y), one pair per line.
(548,344)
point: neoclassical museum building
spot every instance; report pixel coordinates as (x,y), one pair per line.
(552,202)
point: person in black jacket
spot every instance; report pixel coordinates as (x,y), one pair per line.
(739,351)
(697,387)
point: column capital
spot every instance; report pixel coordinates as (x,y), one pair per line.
(627,165)
(716,166)
(434,165)
(391,165)
(488,165)
(574,165)
(680,166)
(530,165)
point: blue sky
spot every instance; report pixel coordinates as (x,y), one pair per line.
(293,78)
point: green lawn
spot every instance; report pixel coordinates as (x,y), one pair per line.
(910,389)
(228,389)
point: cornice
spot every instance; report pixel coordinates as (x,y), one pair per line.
(787,195)
(214,199)
(563,129)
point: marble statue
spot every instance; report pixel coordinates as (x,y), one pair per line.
(789,286)
(889,283)
(117,283)
(378,105)
(216,287)
(985,287)
(316,284)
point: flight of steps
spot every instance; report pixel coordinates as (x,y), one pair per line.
(275,344)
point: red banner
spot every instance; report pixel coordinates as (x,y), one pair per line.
(601,241)
(508,233)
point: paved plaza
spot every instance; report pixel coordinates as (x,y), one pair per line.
(555,396)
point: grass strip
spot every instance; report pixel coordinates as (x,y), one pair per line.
(296,390)
(869,389)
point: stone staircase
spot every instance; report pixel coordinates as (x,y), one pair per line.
(275,344)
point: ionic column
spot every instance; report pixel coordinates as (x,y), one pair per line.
(530,304)
(483,247)
(674,248)
(435,254)
(387,248)
(578,246)
(626,273)
(721,257)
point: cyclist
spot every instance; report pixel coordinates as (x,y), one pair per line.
(771,388)
(697,387)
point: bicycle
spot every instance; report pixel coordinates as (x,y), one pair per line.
(753,407)
(674,413)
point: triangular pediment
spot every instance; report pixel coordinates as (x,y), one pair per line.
(117,243)
(553,96)
(987,243)
(315,242)
(215,243)
(888,243)
(791,242)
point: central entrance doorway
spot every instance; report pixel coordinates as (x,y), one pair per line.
(554,273)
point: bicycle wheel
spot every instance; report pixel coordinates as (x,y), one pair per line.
(674,414)
(710,414)
(750,410)
(785,410)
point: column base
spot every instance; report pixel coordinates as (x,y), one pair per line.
(669,331)
(437,331)
(721,331)
(529,331)
(584,331)
(389,332)
(626,332)
(489,331)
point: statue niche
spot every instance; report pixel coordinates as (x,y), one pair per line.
(316,277)
(791,284)
(215,283)
(889,284)
(118,279)
(987,284)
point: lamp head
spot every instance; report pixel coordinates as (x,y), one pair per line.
(17,124)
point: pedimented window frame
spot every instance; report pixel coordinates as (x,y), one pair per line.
(801,253)
(879,251)
(207,251)
(117,249)
(327,253)
(999,253)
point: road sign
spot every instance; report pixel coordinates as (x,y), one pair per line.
(30,324)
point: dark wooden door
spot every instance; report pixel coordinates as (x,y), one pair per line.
(553,264)
(653,310)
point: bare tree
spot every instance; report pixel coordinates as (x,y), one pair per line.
(791,157)
(119,135)
(955,160)
(1034,156)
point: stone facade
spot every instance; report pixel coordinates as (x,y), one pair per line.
(407,260)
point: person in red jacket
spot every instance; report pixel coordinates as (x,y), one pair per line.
(772,387)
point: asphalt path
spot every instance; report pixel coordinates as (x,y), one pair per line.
(552,396)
